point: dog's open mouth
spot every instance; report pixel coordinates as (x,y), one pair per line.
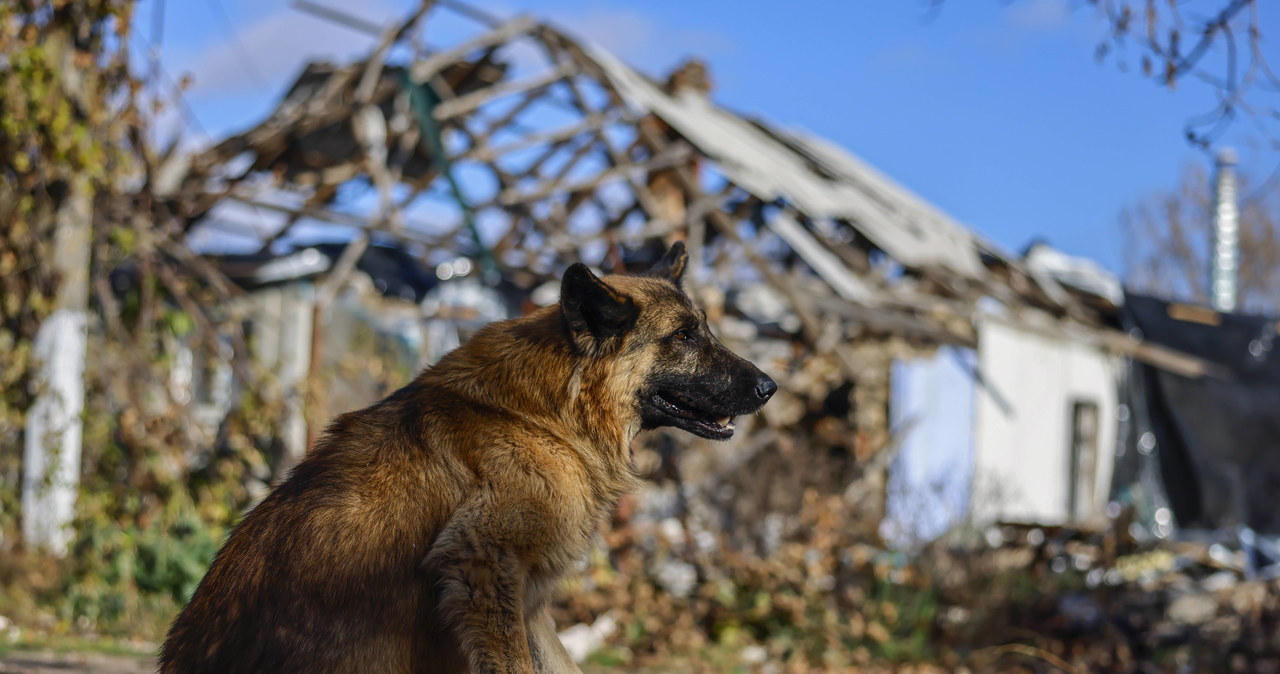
(696,420)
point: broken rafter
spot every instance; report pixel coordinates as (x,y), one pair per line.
(821,260)
(811,326)
(1158,356)
(339,17)
(569,132)
(473,13)
(901,323)
(853,256)
(464,104)
(656,228)
(373,65)
(666,159)
(535,166)
(508,118)
(574,159)
(331,286)
(506,181)
(427,68)
(567,49)
(339,218)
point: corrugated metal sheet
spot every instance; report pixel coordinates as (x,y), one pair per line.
(773,163)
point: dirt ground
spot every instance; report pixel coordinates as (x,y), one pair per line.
(74,663)
(96,663)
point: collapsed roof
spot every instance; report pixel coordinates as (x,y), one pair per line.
(530,150)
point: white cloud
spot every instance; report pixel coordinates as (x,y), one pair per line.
(274,48)
(1025,23)
(911,56)
(625,32)
(1035,15)
(640,40)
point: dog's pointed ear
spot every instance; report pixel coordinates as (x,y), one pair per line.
(672,265)
(594,311)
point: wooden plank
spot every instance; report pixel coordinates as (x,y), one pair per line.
(331,286)
(1162,357)
(425,69)
(473,13)
(828,267)
(486,153)
(508,118)
(511,197)
(574,158)
(853,256)
(555,43)
(464,104)
(338,16)
(338,218)
(808,320)
(373,66)
(547,153)
(811,326)
(897,322)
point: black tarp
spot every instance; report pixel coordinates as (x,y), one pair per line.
(1216,440)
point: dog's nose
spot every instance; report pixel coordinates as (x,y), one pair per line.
(765,388)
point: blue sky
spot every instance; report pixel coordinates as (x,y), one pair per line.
(993,110)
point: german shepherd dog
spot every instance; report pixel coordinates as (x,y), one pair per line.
(427,533)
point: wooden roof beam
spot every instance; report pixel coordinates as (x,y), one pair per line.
(470,102)
(431,66)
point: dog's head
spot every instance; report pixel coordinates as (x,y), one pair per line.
(666,358)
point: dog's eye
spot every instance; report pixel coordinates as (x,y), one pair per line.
(681,335)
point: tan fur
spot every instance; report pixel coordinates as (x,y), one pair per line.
(427,532)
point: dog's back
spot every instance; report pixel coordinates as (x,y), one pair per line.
(325,574)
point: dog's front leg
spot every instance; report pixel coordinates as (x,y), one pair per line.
(481,594)
(549,654)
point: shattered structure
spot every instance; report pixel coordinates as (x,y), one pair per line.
(526,149)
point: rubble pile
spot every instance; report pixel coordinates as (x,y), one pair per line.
(1109,603)
(1016,598)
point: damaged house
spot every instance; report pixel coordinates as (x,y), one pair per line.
(889,326)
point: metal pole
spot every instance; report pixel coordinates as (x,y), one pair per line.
(1226,234)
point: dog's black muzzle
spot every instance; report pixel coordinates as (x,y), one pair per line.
(706,403)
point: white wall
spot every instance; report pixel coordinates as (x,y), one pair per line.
(1023,419)
(931,416)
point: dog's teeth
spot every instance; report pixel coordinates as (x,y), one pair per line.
(723,421)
